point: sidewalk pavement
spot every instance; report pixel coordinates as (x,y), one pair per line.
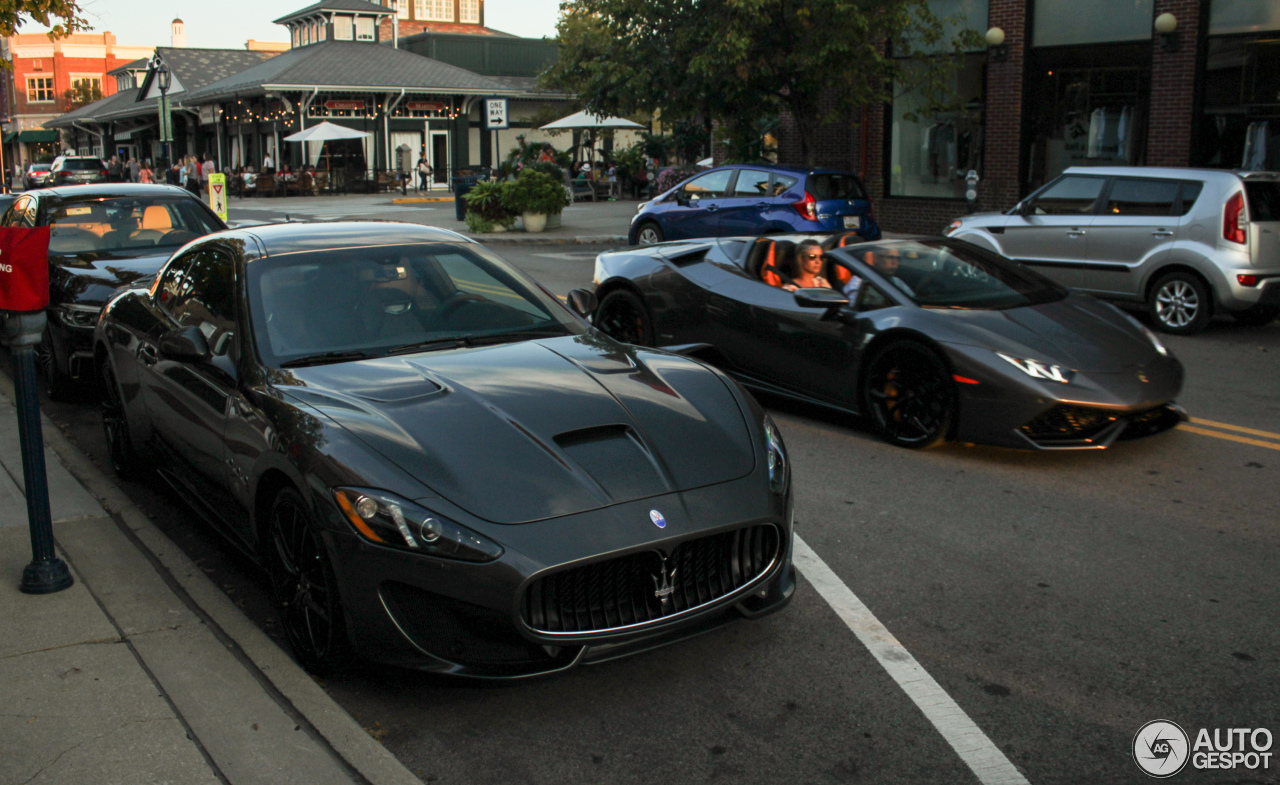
(144,671)
(594,223)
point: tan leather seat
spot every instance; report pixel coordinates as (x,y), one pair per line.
(156,223)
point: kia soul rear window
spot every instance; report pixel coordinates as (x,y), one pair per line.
(1264,200)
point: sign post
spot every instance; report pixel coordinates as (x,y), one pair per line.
(24,294)
(218,194)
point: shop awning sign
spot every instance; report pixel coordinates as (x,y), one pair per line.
(337,105)
(424,106)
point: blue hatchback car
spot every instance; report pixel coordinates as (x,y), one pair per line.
(751,199)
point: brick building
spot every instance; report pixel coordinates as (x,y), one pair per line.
(1073,83)
(43,71)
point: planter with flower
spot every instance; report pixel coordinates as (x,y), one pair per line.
(486,208)
(534,195)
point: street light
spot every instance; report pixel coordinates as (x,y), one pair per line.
(164,78)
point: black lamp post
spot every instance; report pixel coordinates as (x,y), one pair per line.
(164,78)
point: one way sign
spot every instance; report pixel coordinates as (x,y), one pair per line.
(218,194)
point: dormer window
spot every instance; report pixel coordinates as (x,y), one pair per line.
(321,32)
(306,34)
(297,37)
(469,11)
(364,28)
(438,11)
(342,28)
(402,8)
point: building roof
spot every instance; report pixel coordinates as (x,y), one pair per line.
(136,65)
(93,112)
(195,68)
(358,6)
(338,65)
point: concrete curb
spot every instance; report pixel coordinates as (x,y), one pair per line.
(421,199)
(524,238)
(347,738)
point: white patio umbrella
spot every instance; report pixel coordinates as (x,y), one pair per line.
(325,132)
(585,121)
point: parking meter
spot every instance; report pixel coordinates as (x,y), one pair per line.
(971,191)
(24,294)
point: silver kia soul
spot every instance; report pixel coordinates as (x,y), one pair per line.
(1185,242)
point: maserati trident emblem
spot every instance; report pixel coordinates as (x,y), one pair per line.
(664,583)
(657,519)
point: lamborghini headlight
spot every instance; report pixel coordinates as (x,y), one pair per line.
(776,455)
(386,519)
(1154,341)
(1038,370)
(77,317)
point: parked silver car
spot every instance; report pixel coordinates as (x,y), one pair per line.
(1184,242)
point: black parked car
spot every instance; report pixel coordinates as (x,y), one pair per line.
(933,339)
(438,462)
(100,238)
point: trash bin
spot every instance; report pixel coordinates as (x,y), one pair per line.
(460,187)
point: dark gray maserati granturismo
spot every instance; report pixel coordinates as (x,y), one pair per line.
(932,339)
(440,465)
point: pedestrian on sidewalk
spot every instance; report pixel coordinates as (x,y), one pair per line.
(134,169)
(424,174)
(145,174)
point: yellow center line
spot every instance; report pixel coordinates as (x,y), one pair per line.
(1241,429)
(1231,437)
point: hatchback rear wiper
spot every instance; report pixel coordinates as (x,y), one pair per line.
(324,358)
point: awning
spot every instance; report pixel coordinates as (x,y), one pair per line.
(38,136)
(9,137)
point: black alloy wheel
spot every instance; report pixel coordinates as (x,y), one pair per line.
(622,316)
(909,394)
(125,460)
(649,233)
(57,382)
(1257,316)
(305,586)
(1180,303)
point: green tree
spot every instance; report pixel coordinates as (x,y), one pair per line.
(62,17)
(82,92)
(739,60)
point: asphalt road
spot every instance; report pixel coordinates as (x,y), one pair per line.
(1062,600)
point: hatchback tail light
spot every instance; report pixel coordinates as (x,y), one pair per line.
(807,207)
(1233,220)
(1247,280)
(105,173)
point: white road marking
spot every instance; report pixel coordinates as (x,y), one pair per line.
(978,752)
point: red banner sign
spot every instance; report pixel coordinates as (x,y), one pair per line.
(344,104)
(424,106)
(24,268)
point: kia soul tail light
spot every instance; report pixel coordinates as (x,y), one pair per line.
(1234,222)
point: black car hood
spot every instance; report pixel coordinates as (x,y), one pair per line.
(91,278)
(538,429)
(1077,332)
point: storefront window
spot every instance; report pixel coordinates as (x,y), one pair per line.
(1243,16)
(1082,114)
(1240,125)
(931,154)
(1063,22)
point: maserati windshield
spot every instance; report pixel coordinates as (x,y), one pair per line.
(314,307)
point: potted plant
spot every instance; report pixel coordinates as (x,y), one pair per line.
(535,195)
(486,211)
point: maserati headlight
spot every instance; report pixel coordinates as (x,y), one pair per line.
(1154,340)
(1038,370)
(386,519)
(776,455)
(78,317)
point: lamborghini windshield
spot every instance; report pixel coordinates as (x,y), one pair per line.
(952,274)
(126,225)
(351,303)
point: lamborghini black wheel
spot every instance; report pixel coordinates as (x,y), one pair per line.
(125,460)
(909,395)
(622,316)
